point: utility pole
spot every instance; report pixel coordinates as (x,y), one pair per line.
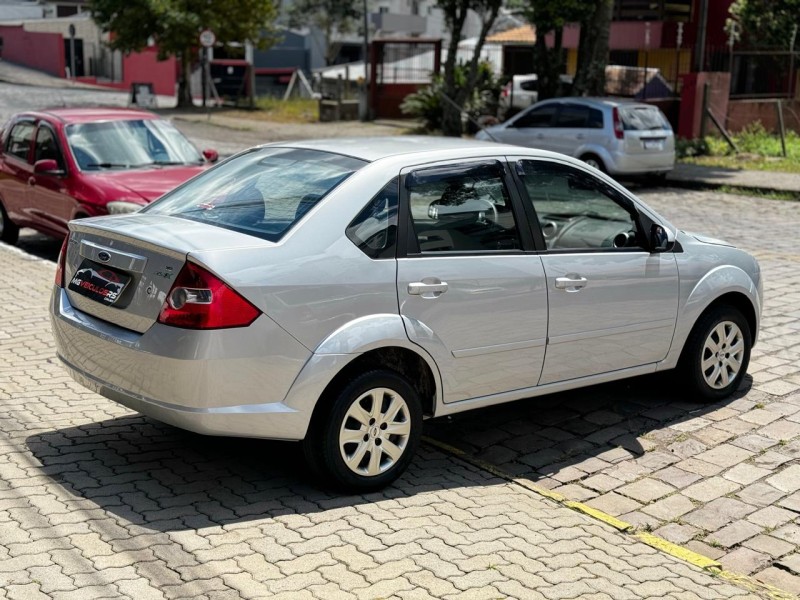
(700,57)
(72,51)
(365,51)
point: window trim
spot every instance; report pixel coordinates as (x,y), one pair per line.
(396,244)
(407,242)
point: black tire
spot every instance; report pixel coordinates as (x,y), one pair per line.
(594,161)
(321,446)
(720,366)
(9,232)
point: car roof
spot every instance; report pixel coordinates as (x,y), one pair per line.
(88,114)
(374,148)
(597,102)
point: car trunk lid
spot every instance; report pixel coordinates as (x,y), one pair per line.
(120,269)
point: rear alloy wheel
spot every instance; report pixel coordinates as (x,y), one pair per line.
(594,161)
(9,232)
(368,436)
(717,353)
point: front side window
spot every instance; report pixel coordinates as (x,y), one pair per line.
(263,192)
(462,209)
(129,144)
(46,147)
(374,230)
(576,211)
(19,140)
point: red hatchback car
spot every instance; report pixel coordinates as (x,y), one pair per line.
(68,163)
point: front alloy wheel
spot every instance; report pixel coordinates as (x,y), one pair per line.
(366,435)
(717,353)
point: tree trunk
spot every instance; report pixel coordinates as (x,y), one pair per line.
(184,89)
(590,77)
(451,115)
(549,64)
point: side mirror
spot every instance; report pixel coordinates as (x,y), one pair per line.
(659,240)
(47,166)
(210,155)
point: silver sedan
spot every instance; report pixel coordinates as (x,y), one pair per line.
(339,292)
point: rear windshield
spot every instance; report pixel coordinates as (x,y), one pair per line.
(263,192)
(642,118)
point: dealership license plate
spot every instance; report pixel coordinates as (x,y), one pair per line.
(99,283)
(653,144)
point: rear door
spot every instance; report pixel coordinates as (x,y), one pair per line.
(577,126)
(468,292)
(613,304)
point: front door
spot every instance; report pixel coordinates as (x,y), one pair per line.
(532,128)
(468,293)
(613,303)
(50,202)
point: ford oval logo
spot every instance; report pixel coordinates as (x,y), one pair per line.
(103,256)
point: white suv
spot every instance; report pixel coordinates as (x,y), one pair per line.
(620,137)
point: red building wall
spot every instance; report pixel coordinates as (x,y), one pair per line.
(41,51)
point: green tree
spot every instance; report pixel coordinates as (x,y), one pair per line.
(174,25)
(766,23)
(455,14)
(329,16)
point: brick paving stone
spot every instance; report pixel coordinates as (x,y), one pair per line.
(780,579)
(771,517)
(613,504)
(769,545)
(734,534)
(791,502)
(678,534)
(718,513)
(646,490)
(787,480)
(669,508)
(677,477)
(760,494)
(710,489)
(790,563)
(745,560)
(789,533)
(770,460)
(753,442)
(745,474)
(725,455)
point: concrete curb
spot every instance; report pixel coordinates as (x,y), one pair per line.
(693,558)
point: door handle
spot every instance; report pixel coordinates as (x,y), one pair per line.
(571,284)
(579,136)
(427,289)
(31,181)
(539,136)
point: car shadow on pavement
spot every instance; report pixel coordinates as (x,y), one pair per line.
(166,479)
(563,438)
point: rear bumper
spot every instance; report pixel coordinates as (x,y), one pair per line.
(223,382)
(658,162)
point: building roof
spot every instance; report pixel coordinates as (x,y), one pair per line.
(525,34)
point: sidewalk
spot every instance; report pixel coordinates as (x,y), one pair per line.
(762,181)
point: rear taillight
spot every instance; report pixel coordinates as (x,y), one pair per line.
(506,91)
(619,130)
(200,300)
(62,260)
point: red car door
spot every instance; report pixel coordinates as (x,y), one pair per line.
(48,193)
(16,170)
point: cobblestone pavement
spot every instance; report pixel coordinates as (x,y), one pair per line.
(97,502)
(722,479)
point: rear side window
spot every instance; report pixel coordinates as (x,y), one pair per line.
(374,230)
(263,192)
(19,140)
(529,86)
(642,118)
(541,116)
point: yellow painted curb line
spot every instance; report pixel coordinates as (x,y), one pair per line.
(711,566)
(693,558)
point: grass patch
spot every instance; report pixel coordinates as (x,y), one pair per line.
(295,110)
(759,150)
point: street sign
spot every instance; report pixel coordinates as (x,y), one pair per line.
(207,38)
